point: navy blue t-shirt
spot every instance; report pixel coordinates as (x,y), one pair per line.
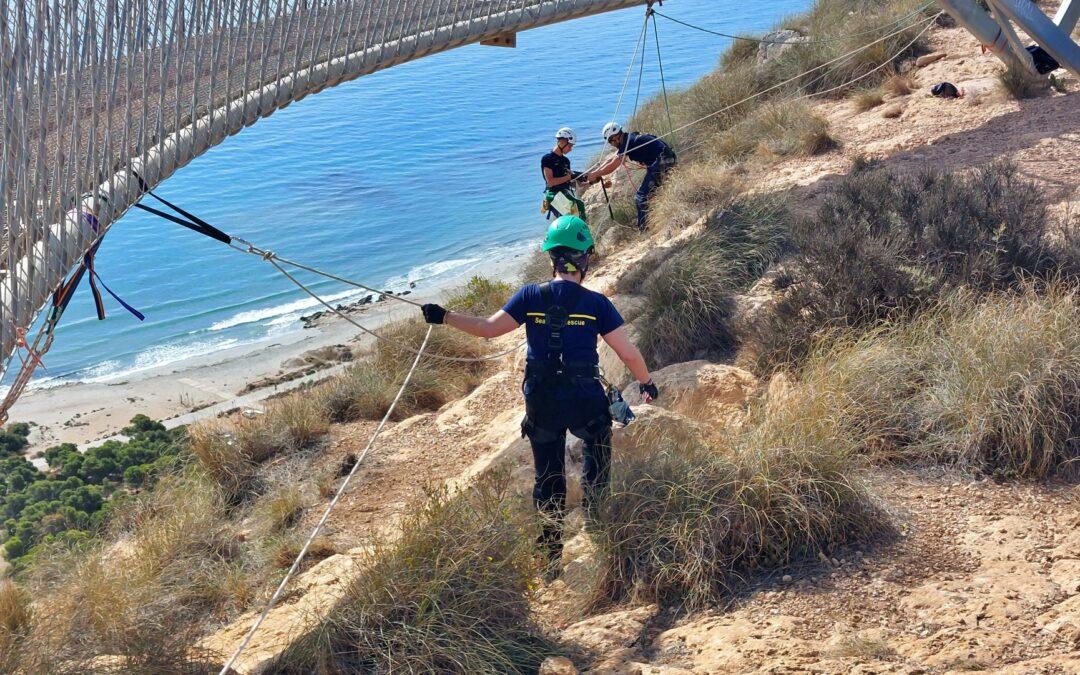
(593,315)
(644,148)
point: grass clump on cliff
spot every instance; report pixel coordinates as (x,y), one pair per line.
(990,385)
(450,594)
(689,296)
(366,390)
(887,245)
(835,28)
(691,522)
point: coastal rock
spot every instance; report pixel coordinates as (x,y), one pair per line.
(927,59)
(605,633)
(557,665)
(700,389)
(776,43)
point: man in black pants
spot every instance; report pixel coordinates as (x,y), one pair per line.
(645,149)
(562,387)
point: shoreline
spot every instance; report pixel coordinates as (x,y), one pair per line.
(201,386)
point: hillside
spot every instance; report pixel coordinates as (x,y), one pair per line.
(870,529)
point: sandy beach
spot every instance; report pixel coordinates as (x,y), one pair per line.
(202,386)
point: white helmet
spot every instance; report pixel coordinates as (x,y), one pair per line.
(610,129)
(567,133)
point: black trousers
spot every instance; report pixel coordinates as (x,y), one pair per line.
(551,409)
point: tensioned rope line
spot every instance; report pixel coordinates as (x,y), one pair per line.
(848,83)
(810,41)
(778,85)
(273,260)
(326,514)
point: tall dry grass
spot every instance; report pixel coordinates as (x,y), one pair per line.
(987,384)
(689,298)
(693,522)
(450,594)
(847,25)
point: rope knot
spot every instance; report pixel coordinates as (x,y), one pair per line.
(266,255)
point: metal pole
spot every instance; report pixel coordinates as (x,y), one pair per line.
(1067,15)
(979,23)
(1050,37)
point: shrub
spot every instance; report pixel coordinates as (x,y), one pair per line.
(480,296)
(867,99)
(885,244)
(450,594)
(693,190)
(689,298)
(784,129)
(1019,84)
(691,521)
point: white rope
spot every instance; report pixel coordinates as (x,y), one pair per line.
(794,78)
(401,345)
(326,514)
(884,64)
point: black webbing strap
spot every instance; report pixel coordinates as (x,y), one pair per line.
(193,222)
(556,316)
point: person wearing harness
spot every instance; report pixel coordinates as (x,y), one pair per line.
(559,180)
(562,386)
(645,149)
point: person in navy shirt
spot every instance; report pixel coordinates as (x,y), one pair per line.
(645,149)
(562,389)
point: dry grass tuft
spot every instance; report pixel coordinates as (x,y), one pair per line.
(691,192)
(784,129)
(867,99)
(1017,83)
(692,522)
(451,594)
(689,298)
(990,385)
(897,85)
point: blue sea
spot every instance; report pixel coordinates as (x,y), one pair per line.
(414,174)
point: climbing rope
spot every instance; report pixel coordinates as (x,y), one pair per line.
(925,24)
(663,82)
(852,81)
(326,513)
(807,41)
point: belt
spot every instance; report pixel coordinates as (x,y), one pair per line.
(543,369)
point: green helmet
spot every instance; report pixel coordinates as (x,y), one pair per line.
(568,231)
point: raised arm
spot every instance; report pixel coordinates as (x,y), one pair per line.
(499,323)
(607,167)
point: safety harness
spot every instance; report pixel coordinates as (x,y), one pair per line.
(555,371)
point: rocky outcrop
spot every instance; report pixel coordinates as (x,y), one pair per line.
(777,42)
(701,390)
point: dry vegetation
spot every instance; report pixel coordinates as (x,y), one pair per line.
(926,318)
(452,593)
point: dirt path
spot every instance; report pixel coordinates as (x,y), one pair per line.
(980,577)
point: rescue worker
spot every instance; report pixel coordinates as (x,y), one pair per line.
(559,178)
(562,388)
(645,149)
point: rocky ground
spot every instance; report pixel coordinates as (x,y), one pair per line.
(979,577)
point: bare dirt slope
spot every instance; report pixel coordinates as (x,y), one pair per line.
(981,577)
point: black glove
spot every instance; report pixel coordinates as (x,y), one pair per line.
(433,313)
(650,389)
